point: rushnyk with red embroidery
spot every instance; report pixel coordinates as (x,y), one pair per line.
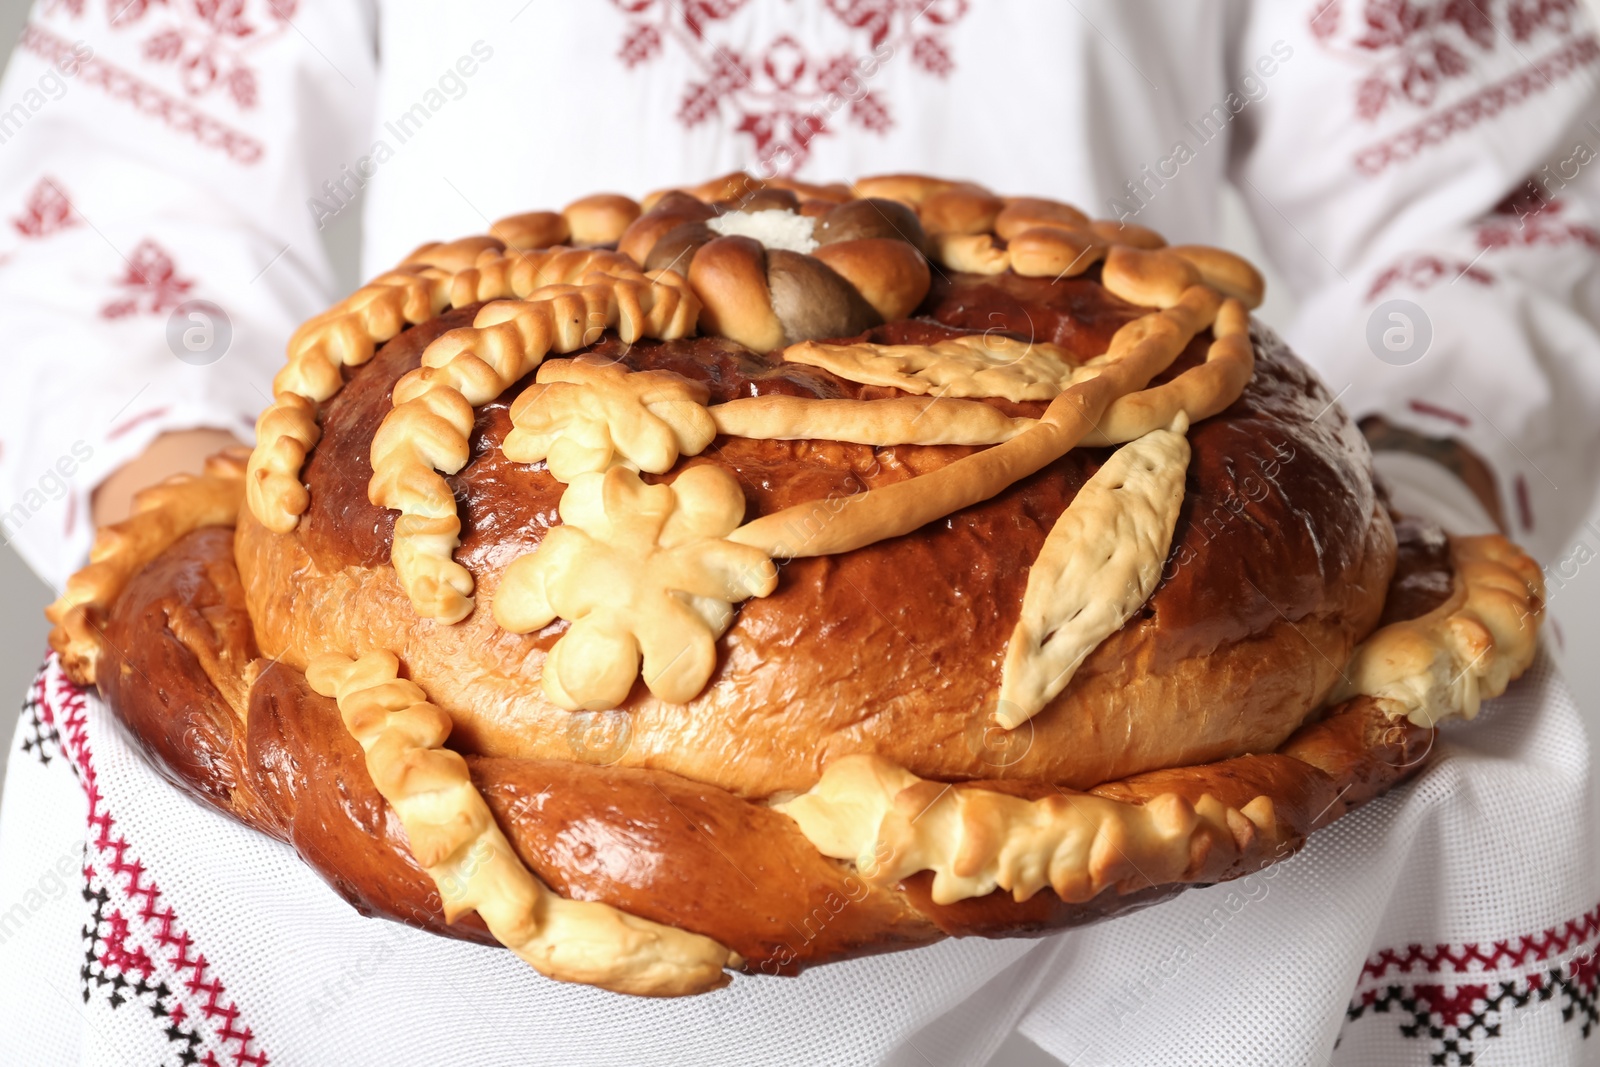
(139,963)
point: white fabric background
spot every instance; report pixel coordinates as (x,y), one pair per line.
(1286,232)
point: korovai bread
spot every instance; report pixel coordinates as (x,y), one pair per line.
(763,574)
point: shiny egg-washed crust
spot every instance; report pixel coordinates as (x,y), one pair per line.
(1414,672)
(1139,351)
(869,267)
(426,435)
(1198,393)
(941,850)
(737,880)
(913,629)
(454,836)
(160,516)
(1466,650)
(433,278)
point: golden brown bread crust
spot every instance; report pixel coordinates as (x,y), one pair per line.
(1006,684)
(649,842)
(858,652)
(179,630)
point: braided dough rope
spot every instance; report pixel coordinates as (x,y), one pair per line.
(429,429)
(455,838)
(346,335)
(1464,651)
(432,279)
(892,824)
(161,515)
(1139,351)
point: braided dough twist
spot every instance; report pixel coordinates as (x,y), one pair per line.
(429,428)
(345,336)
(1463,652)
(161,515)
(455,838)
(433,278)
(892,824)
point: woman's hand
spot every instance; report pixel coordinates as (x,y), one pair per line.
(180,452)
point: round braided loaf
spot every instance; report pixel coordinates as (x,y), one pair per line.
(764,573)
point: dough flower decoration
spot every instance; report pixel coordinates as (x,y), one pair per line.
(584,416)
(640,571)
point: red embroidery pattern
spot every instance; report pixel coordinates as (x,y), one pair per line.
(47,211)
(1516,224)
(152,284)
(137,950)
(1409,52)
(40,739)
(119,84)
(1423,271)
(1457,1016)
(781,95)
(1478,107)
(208,41)
(1519,489)
(1412,48)
(1423,407)
(1473,957)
